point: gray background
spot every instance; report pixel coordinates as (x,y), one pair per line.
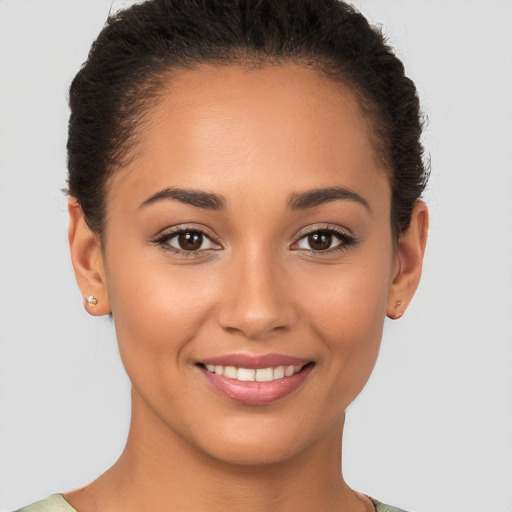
(432,432)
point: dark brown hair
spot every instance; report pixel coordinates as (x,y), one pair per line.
(140,47)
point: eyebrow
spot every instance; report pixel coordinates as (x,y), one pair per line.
(302,201)
(196,198)
(320,196)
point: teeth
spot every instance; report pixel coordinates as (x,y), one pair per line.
(279,372)
(230,372)
(289,371)
(246,375)
(264,375)
(251,375)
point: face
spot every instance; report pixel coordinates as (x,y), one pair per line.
(248,260)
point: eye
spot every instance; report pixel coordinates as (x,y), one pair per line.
(323,240)
(188,240)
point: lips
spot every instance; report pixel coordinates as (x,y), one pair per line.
(255,380)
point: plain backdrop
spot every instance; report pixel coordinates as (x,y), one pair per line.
(432,432)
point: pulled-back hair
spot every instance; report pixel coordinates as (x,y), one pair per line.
(140,47)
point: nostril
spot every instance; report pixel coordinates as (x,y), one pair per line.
(256,302)
(256,325)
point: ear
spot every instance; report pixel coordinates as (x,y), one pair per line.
(409,261)
(87,260)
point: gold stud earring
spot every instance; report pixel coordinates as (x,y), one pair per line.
(399,304)
(91,300)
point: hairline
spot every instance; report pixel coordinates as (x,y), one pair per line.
(150,90)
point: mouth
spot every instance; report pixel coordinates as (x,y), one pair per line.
(254,375)
(255,381)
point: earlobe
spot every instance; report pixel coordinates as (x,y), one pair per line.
(87,260)
(409,262)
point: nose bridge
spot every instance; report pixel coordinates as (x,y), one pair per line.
(255,301)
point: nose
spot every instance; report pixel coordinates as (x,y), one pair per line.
(256,300)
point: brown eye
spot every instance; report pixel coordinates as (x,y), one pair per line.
(323,240)
(189,241)
(320,241)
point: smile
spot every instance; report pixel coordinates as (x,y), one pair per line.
(254,375)
(260,380)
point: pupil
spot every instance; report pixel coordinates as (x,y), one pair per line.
(190,240)
(320,241)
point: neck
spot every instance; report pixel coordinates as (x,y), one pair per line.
(160,471)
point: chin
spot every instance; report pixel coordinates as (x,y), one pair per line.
(264,443)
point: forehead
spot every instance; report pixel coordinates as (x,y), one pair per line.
(277,125)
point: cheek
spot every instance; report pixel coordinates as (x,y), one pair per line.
(349,302)
(348,315)
(156,307)
(350,318)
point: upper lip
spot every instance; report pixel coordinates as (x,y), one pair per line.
(255,361)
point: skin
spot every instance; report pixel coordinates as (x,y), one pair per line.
(256,138)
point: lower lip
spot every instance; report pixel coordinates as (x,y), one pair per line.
(256,393)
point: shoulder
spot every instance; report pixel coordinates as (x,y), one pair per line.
(381,507)
(55,503)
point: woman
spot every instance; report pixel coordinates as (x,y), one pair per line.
(245,182)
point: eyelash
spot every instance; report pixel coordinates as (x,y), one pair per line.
(346,241)
(163,241)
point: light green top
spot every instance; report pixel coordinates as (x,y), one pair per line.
(56,503)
